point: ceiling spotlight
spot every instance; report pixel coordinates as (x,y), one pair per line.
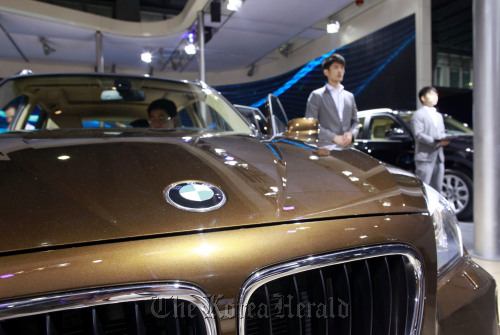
(333,27)
(234,5)
(147,57)
(47,49)
(190,49)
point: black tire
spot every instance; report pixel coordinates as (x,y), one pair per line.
(458,189)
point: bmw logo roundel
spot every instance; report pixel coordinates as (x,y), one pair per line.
(195,196)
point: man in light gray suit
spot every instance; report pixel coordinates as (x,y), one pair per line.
(333,107)
(429,132)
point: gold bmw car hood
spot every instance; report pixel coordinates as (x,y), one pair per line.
(115,186)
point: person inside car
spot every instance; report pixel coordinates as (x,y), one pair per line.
(10,112)
(162,113)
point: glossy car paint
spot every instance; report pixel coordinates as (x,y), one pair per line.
(216,261)
(464,296)
(110,184)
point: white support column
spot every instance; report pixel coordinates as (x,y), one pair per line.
(486,115)
(98,51)
(423,45)
(201,36)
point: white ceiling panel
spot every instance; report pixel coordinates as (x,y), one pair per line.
(18,24)
(312,34)
(286,12)
(238,23)
(246,42)
(242,38)
(8,50)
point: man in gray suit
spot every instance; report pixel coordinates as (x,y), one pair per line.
(429,132)
(333,107)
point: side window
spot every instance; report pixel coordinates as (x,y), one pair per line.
(211,119)
(31,117)
(279,120)
(261,122)
(383,126)
(9,111)
(184,119)
(99,124)
(3,120)
(361,133)
(33,120)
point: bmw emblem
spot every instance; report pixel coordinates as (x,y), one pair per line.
(195,196)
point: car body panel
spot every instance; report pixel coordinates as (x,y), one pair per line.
(465,294)
(218,262)
(108,184)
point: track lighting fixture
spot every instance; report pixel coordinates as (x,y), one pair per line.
(47,49)
(251,70)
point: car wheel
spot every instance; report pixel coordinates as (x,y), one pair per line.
(457,188)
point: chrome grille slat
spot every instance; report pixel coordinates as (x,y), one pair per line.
(138,322)
(400,297)
(145,309)
(324,327)
(382,313)
(49,325)
(96,324)
(361,295)
(297,297)
(378,290)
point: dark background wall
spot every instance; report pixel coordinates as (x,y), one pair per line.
(380,71)
(457,103)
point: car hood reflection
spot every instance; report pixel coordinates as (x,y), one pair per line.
(90,189)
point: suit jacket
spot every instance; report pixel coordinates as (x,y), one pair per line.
(427,136)
(320,106)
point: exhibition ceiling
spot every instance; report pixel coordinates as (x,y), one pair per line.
(261,31)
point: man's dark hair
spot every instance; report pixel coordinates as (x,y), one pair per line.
(165,104)
(426,90)
(333,58)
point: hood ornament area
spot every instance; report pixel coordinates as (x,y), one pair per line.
(195,196)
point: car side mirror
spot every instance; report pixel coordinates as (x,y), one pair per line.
(303,129)
(397,134)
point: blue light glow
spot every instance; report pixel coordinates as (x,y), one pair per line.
(299,75)
(388,61)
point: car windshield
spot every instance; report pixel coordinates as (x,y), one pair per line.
(454,126)
(451,125)
(48,102)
